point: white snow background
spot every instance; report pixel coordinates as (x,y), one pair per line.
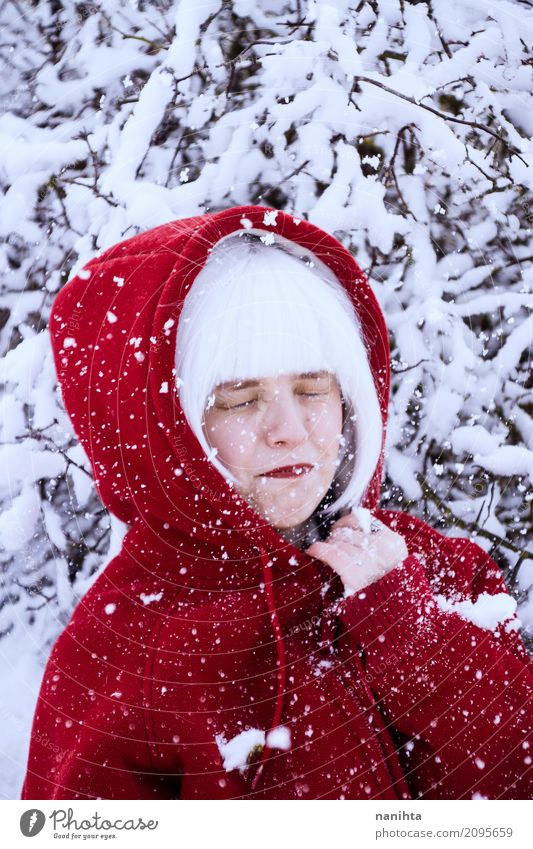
(403,129)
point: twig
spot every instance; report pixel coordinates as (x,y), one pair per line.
(450,515)
(408,368)
(295,172)
(513,576)
(474,124)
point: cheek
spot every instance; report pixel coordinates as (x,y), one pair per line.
(327,427)
(233,438)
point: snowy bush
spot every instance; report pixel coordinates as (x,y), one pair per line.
(401,127)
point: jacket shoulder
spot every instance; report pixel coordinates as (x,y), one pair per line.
(457,567)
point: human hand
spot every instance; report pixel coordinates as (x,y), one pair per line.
(358,554)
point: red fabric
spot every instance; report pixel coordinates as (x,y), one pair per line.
(207,623)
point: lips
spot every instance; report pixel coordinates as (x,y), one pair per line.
(296,471)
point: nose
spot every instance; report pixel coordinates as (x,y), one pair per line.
(284,422)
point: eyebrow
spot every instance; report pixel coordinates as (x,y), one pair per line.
(255,381)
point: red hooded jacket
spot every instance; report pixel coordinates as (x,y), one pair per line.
(208,624)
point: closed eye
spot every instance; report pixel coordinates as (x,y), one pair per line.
(243,404)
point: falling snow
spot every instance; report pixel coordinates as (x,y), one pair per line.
(437,209)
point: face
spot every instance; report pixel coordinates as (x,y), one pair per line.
(280,438)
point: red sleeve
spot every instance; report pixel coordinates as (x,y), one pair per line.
(457,695)
(488,578)
(89,738)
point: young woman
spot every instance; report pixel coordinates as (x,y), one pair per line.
(266,631)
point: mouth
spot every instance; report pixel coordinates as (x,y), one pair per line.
(296,471)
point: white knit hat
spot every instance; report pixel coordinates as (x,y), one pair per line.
(257,309)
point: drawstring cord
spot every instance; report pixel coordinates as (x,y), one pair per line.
(280,647)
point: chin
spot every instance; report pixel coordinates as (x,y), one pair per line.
(287,513)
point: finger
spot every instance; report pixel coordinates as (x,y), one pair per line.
(351,520)
(350,555)
(332,553)
(341,556)
(371,543)
(370,540)
(348,521)
(361,567)
(321,550)
(346,533)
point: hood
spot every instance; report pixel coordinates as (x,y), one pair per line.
(113,329)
